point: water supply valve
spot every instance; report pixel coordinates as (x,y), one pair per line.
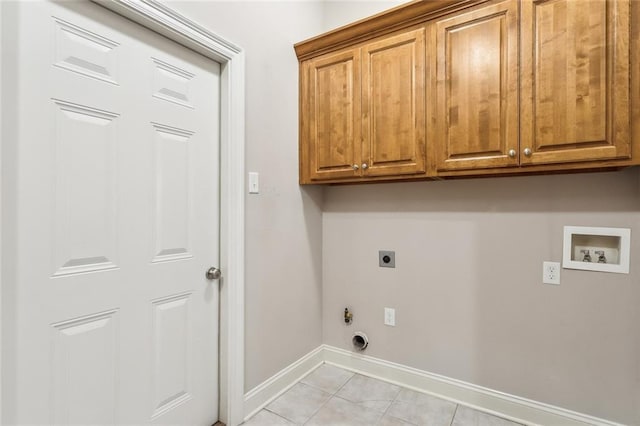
(348,316)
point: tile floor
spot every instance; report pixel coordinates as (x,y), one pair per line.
(333,396)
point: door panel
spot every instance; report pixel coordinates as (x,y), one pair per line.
(171,349)
(85,189)
(477,95)
(118,201)
(393,105)
(85,352)
(575,80)
(334,115)
(173,183)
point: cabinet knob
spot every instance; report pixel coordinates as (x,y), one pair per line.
(527,152)
(355,167)
(512,153)
(365,166)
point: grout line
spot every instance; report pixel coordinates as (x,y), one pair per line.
(400,388)
(335,395)
(324,390)
(345,383)
(319,408)
(282,417)
(395,398)
(454,414)
(310,384)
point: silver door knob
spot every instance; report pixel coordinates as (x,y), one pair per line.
(512,153)
(365,166)
(527,152)
(355,167)
(213,273)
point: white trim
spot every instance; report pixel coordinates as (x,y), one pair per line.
(157,17)
(1,204)
(232,246)
(508,406)
(260,396)
(515,408)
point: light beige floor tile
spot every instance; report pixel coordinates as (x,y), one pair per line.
(466,416)
(388,420)
(327,378)
(299,403)
(369,393)
(266,418)
(422,409)
(340,412)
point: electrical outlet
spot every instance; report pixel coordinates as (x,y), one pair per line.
(390,317)
(551,273)
(387,259)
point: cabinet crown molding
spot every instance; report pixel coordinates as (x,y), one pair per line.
(383,23)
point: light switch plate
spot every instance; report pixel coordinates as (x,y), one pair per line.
(254,183)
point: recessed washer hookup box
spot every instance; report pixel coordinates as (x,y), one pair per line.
(596,249)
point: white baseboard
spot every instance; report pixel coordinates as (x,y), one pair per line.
(260,396)
(511,407)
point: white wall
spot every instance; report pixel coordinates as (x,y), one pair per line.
(284,221)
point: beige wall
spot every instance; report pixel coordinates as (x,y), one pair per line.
(468,292)
(336,13)
(467,289)
(284,221)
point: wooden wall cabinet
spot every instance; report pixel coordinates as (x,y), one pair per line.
(477,89)
(333,130)
(449,88)
(575,81)
(365,110)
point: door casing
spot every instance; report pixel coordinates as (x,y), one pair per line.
(159,18)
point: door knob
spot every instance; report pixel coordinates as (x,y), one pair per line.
(355,167)
(512,153)
(213,273)
(365,166)
(527,152)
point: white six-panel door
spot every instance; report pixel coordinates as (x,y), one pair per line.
(117,221)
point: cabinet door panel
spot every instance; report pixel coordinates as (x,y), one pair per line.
(575,80)
(477,96)
(334,115)
(393,106)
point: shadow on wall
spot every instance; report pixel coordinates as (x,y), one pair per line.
(312,205)
(607,192)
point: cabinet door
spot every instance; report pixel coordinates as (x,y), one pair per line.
(334,136)
(393,105)
(575,80)
(477,92)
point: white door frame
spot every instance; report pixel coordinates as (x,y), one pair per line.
(165,21)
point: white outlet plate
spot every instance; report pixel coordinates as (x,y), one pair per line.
(390,317)
(551,273)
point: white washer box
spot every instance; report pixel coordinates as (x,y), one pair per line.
(596,249)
